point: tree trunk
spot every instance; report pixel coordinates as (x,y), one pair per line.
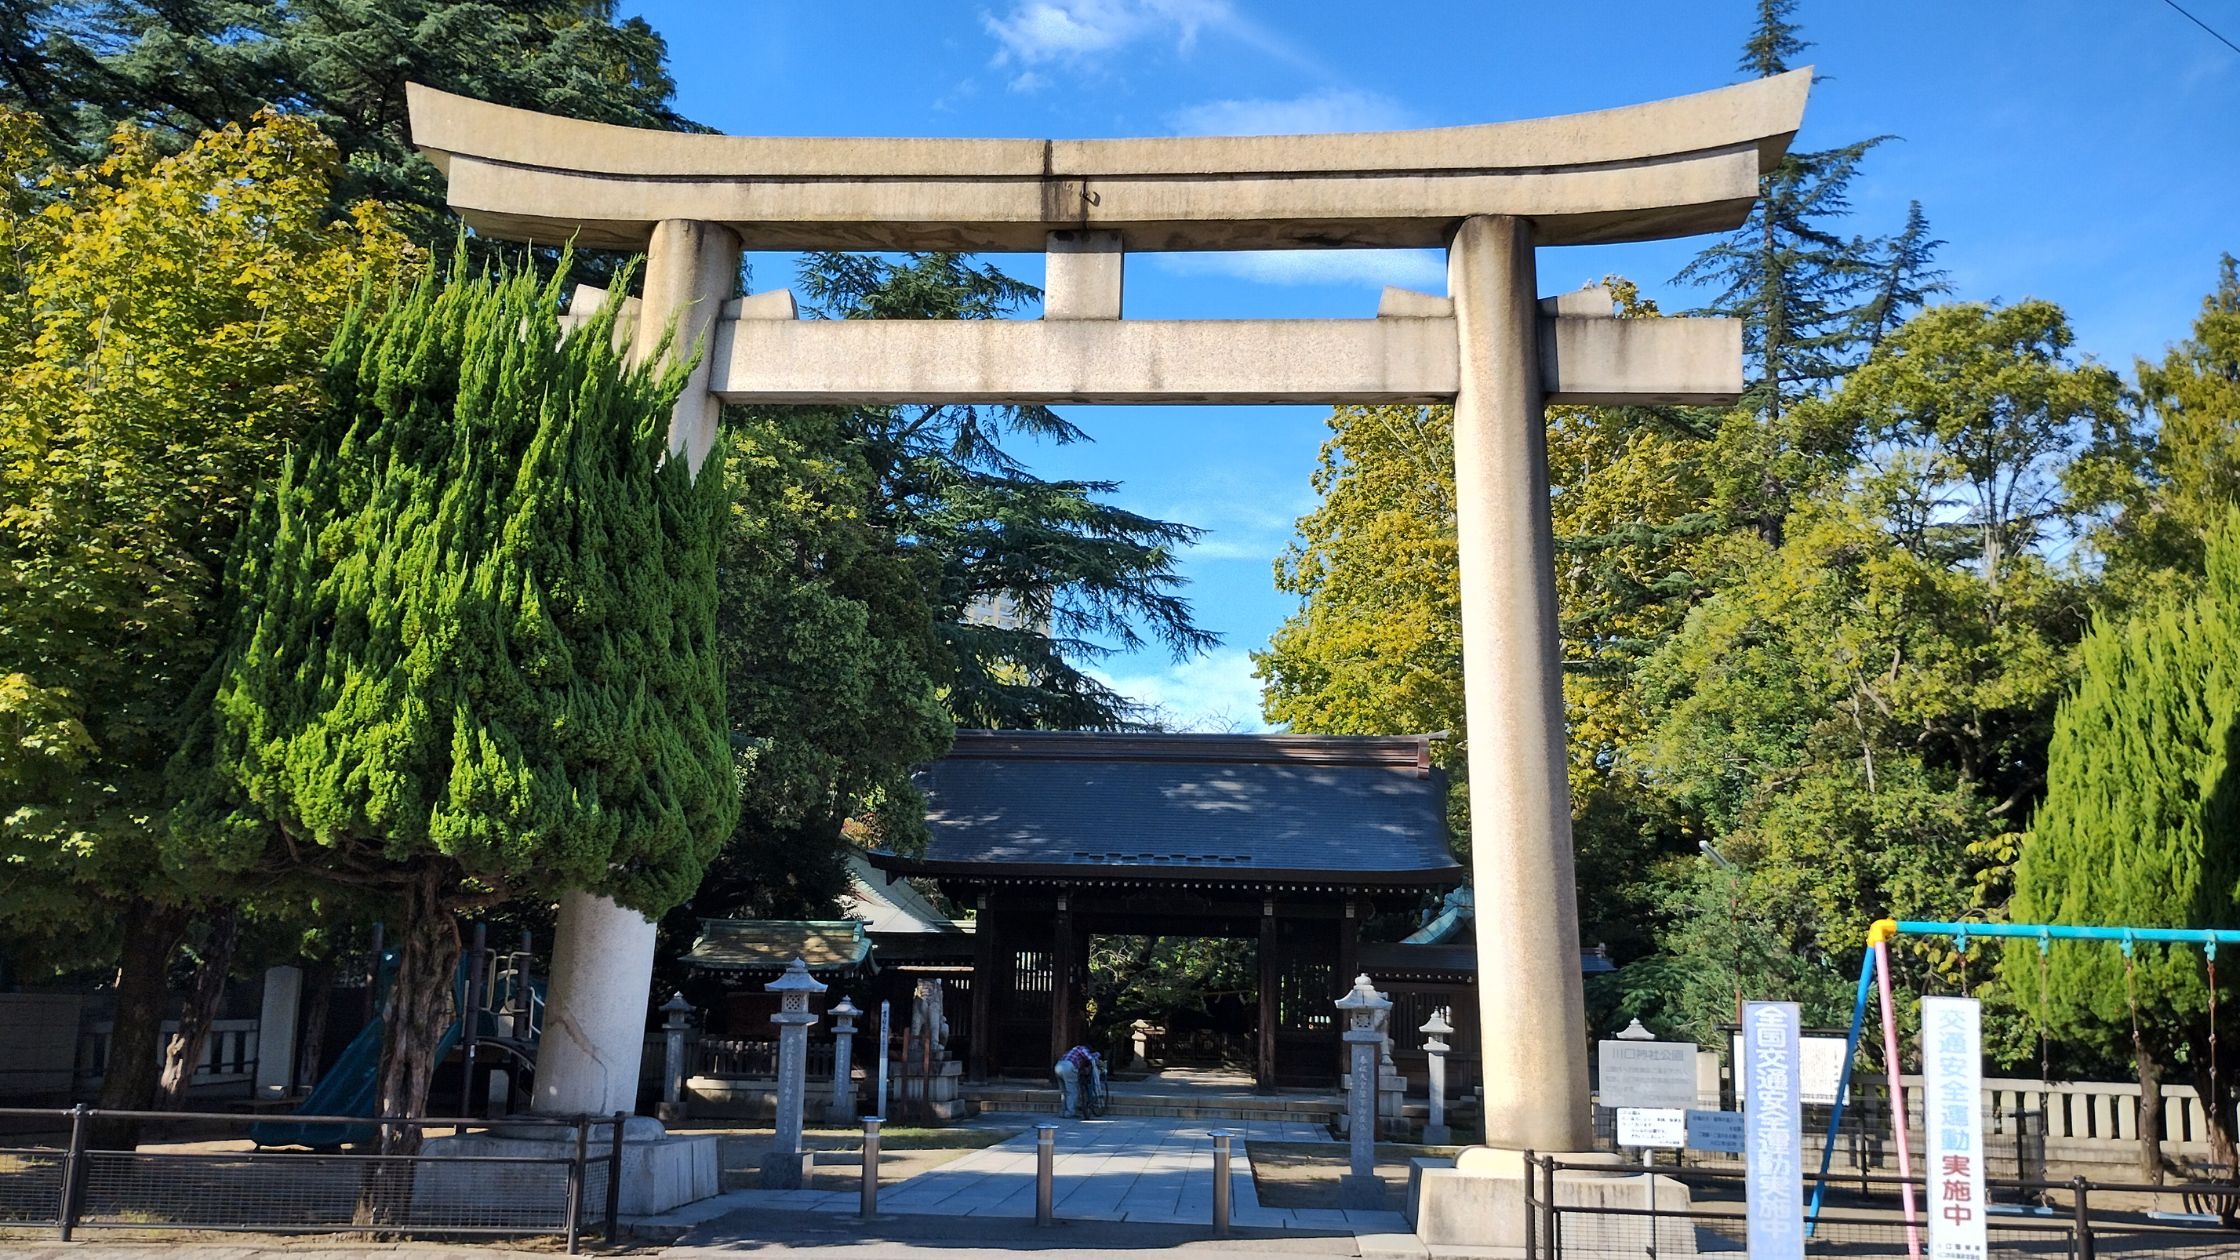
(311,1052)
(2216,1109)
(2150,1112)
(418,1010)
(184,1055)
(152,933)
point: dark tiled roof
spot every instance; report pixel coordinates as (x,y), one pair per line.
(1248,808)
(827,945)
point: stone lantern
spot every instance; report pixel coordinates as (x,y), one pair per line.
(1364,1011)
(786,1167)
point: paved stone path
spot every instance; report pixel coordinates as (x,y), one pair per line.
(1135,1169)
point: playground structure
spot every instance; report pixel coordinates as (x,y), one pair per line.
(1875,971)
(496,992)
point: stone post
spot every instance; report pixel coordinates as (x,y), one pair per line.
(1531,1010)
(1363,1011)
(786,1167)
(1392,1087)
(602,954)
(1435,1131)
(276,1031)
(1140,1033)
(843,1110)
(674,1012)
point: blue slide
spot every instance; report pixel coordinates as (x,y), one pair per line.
(352,1086)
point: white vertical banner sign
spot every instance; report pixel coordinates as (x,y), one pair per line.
(1952,1109)
(1773,1131)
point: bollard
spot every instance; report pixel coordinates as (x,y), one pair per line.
(1531,1208)
(614,1174)
(575,1184)
(2081,1217)
(1045,1167)
(1221,1183)
(73,1174)
(870,1203)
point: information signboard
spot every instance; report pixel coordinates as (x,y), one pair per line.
(1715,1131)
(1774,1131)
(1662,1127)
(1952,1107)
(1819,1069)
(1647,1074)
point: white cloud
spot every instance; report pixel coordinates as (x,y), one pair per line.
(1424,269)
(1213,692)
(1245,519)
(1334,109)
(1036,31)
(1029,81)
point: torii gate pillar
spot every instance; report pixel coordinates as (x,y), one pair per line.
(1531,1010)
(602,963)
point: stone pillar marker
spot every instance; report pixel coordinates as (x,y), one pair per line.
(843,1109)
(786,1167)
(1364,1011)
(1435,1131)
(1531,1007)
(1140,1033)
(1392,1087)
(675,1012)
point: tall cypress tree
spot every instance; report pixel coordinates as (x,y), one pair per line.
(1813,302)
(474,654)
(2140,827)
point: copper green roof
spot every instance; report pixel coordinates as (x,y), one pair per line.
(828,946)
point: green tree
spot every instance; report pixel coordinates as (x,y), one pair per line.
(183,67)
(1859,718)
(2166,488)
(2141,827)
(833,664)
(1073,578)
(475,649)
(161,325)
(894,570)
(1813,302)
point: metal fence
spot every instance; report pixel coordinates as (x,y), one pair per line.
(1593,1211)
(199,1171)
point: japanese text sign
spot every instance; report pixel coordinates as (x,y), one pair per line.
(1952,1108)
(1774,1125)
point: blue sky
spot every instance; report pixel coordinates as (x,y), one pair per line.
(2080,152)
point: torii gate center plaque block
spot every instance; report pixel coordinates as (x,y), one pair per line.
(1489,194)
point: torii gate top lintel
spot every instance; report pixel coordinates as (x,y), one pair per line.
(1674,167)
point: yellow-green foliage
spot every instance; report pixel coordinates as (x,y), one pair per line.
(162,320)
(477,619)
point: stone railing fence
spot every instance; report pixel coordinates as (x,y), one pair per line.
(229,1054)
(752,1058)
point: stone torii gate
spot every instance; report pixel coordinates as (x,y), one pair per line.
(1490,195)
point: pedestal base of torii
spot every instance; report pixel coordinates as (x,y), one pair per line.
(658,1171)
(1475,1203)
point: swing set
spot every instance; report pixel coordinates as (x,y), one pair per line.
(1874,972)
